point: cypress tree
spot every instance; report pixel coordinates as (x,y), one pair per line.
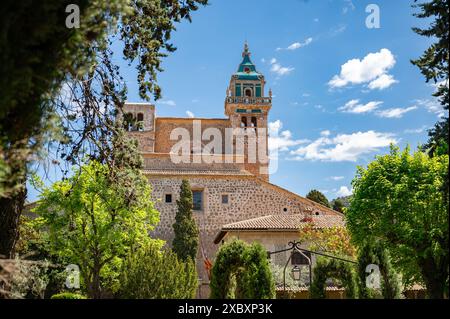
(185,242)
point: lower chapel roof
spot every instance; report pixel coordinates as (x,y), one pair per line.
(282,222)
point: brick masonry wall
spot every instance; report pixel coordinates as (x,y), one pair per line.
(249,197)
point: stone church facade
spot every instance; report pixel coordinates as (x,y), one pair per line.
(228,187)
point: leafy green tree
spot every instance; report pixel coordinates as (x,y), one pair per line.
(186,240)
(40,54)
(95,223)
(338,205)
(38,51)
(434,63)
(398,199)
(154,274)
(318,197)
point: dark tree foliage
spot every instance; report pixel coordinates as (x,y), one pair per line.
(185,242)
(242,271)
(335,269)
(39,54)
(338,205)
(376,254)
(154,274)
(434,64)
(318,197)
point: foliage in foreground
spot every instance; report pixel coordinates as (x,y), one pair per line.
(399,200)
(334,240)
(242,271)
(376,254)
(337,270)
(155,274)
(68,295)
(94,223)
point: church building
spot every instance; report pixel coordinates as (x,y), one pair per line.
(232,192)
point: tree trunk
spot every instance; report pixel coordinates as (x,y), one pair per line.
(94,289)
(435,276)
(10,209)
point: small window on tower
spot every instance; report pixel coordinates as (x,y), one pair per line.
(248,92)
(168,198)
(247,70)
(254,122)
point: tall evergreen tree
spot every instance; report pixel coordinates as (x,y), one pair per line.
(185,242)
(318,197)
(434,64)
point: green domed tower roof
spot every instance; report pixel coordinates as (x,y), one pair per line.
(247,70)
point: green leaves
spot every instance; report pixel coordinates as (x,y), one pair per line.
(399,200)
(186,240)
(153,274)
(242,271)
(90,220)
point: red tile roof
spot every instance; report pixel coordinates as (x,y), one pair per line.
(283,222)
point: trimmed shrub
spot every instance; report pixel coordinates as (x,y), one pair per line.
(68,295)
(337,270)
(242,271)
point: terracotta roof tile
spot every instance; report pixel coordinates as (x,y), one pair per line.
(285,222)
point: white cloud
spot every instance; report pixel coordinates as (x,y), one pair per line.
(417,130)
(281,140)
(397,112)
(353,106)
(433,106)
(372,69)
(348,6)
(337,178)
(167,102)
(325,133)
(344,191)
(278,69)
(195,101)
(306,95)
(190,114)
(344,147)
(263,60)
(337,30)
(297,45)
(382,82)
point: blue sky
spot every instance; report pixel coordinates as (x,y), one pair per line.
(334,121)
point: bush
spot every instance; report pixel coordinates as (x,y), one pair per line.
(155,274)
(242,271)
(68,295)
(334,269)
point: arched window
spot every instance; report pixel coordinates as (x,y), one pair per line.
(248,92)
(254,122)
(128,121)
(244,121)
(140,122)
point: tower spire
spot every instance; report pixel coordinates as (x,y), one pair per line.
(246,52)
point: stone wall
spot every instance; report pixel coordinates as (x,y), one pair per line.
(249,197)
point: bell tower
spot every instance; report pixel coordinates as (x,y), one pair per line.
(248,108)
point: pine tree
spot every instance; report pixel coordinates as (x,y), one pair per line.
(318,197)
(185,242)
(434,65)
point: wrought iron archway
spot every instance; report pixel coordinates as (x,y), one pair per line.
(293,247)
